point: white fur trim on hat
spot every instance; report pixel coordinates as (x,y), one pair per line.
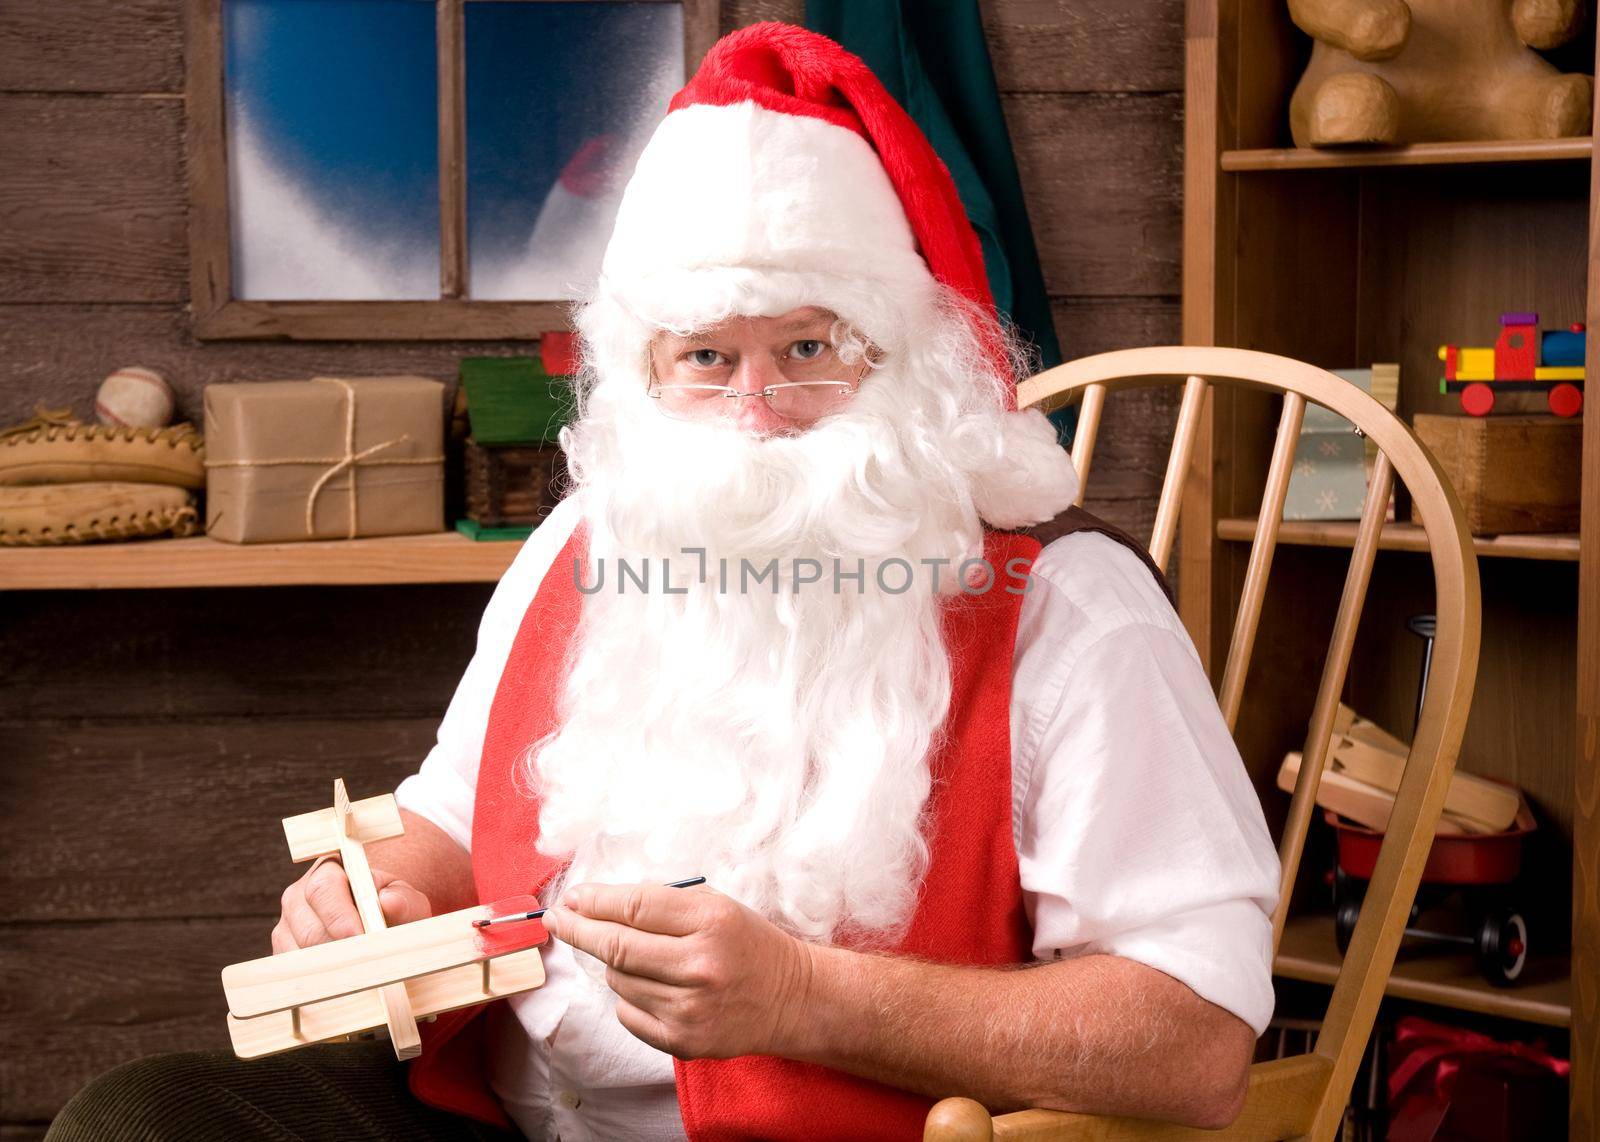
(1033,480)
(742,188)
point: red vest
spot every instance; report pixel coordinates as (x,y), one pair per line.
(970,908)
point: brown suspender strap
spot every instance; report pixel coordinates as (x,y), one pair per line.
(1076,519)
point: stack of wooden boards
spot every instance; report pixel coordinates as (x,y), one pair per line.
(1362,776)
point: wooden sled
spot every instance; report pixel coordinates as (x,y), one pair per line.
(387,978)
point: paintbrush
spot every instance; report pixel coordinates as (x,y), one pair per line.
(534,915)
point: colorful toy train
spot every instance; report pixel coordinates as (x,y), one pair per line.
(1524,359)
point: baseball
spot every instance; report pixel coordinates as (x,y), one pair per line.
(135,397)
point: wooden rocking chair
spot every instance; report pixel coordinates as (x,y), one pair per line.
(1302,1096)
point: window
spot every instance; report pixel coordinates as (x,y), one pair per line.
(416,169)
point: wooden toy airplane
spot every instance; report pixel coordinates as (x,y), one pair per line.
(386,978)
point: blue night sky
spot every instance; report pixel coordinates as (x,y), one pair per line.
(332,128)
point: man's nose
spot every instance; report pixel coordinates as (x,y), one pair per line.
(752,375)
(754,372)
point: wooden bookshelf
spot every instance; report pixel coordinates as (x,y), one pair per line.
(446,557)
(1342,258)
(1417,155)
(1561,547)
(1424,974)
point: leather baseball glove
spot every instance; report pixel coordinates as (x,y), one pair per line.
(50,514)
(55,448)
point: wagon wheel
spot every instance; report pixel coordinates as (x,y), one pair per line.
(1566,400)
(1502,946)
(1345,887)
(1344,923)
(1477,399)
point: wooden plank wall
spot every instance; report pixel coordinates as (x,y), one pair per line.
(153,739)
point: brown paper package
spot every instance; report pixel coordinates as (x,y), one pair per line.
(275,448)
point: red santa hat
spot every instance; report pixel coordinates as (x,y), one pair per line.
(783,166)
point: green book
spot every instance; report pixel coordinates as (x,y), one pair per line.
(474,530)
(512,400)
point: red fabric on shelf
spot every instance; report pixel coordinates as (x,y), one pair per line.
(1448,1082)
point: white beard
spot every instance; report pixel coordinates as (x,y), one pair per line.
(776,743)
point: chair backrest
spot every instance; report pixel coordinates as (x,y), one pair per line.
(1324,1079)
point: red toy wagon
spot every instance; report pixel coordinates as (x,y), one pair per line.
(1480,866)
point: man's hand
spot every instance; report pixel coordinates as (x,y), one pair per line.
(319,907)
(697,974)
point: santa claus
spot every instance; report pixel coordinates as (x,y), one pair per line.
(969,817)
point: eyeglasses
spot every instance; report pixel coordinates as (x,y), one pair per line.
(793,400)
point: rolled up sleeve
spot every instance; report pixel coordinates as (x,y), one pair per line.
(1139,833)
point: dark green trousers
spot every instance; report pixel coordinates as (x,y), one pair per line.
(340,1092)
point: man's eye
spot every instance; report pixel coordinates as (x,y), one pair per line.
(807,350)
(705,358)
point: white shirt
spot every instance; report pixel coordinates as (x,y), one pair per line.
(1138,832)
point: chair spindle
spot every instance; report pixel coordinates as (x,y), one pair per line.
(1094,403)
(1260,565)
(1194,398)
(1335,667)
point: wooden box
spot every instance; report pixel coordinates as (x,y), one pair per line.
(513,484)
(1513,473)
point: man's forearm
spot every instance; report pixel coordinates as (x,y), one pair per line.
(428,858)
(1097,1034)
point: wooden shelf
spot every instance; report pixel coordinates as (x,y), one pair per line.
(1428,975)
(445,557)
(1416,155)
(1557,546)
(1383,254)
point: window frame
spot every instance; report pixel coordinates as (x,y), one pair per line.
(218,315)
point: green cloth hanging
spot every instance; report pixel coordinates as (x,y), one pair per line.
(932,57)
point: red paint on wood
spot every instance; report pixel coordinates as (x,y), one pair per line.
(502,939)
(1516,353)
(1477,399)
(1566,400)
(558,352)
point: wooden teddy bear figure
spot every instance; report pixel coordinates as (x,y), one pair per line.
(1385,71)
